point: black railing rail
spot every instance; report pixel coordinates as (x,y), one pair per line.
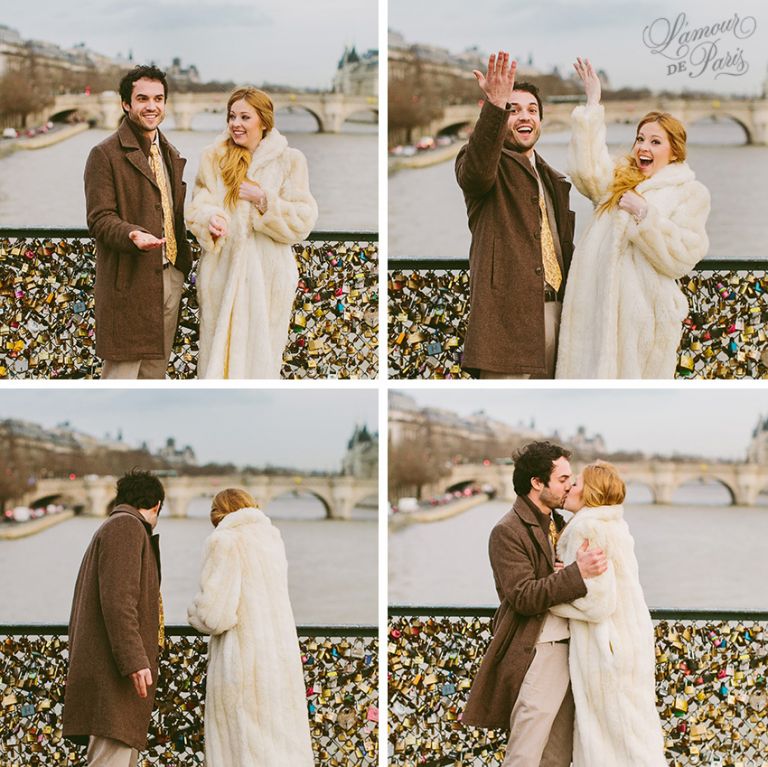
(48,232)
(454,264)
(657,613)
(309,630)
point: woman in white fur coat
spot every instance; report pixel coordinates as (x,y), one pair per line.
(255,700)
(623,311)
(611,655)
(251,202)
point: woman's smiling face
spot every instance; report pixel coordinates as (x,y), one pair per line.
(652,150)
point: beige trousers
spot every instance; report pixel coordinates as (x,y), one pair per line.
(541,724)
(105,752)
(173,288)
(552,312)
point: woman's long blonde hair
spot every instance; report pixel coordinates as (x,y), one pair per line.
(628,175)
(228,501)
(602,485)
(236,160)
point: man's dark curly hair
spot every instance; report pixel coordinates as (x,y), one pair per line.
(139,489)
(150,71)
(535,461)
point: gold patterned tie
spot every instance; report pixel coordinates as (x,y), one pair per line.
(552,273)
(553,535)
(161,622)
(170,237)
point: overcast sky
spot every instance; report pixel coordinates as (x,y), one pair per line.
(292,42)
(301,428)
(713,423)
(609,32)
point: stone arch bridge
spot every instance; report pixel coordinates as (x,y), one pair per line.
(750,114)
(338,494)
(330,110)
(743,481)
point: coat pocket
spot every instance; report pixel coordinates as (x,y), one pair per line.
(508,635)
(121,273)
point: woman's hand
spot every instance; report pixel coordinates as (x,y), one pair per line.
(591,81)
(217,226)
(498,83)
(251,191)
(634,204)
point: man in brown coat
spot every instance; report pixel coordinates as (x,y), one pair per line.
(114,629)
(523,683)
(135,205)
(522,233)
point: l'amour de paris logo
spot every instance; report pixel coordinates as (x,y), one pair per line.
(695,51)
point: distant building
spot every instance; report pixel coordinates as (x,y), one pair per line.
(182,76)
(49,59)
(438,64)
(362,457)
(757,452)
(184,456)
(357,74)
(587,447)
(454,433)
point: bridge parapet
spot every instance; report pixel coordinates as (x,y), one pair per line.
(724,335)
(48,327)
(744,481)
(339,494)
(751,115)
(331,110)
(711,693)
(340,665)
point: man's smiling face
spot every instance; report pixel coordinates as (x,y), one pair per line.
(524,122)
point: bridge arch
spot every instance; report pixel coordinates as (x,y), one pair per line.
(360,112)
(704,480)
(297,111)
(78,502)
(455,128)
(297,493)
(640,491)
(720,117)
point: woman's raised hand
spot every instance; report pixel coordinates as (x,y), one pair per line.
(498,82)
(591,81)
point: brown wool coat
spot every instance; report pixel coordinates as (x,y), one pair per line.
(122,195)
(506,320)
(113,631)
(527,585)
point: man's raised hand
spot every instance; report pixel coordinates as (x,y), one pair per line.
(498,82)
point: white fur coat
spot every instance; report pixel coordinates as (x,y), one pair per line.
(623,311)
(612,657)
(246,281)
(255,702)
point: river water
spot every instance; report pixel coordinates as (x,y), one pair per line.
(698,554)
(332,565)
(44,187)
(427,217)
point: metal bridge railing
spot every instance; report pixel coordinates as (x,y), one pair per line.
(47,323)
(340,671)
(724,335)
(711,669)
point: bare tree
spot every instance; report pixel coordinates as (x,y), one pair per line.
(412,464)
(21,96)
